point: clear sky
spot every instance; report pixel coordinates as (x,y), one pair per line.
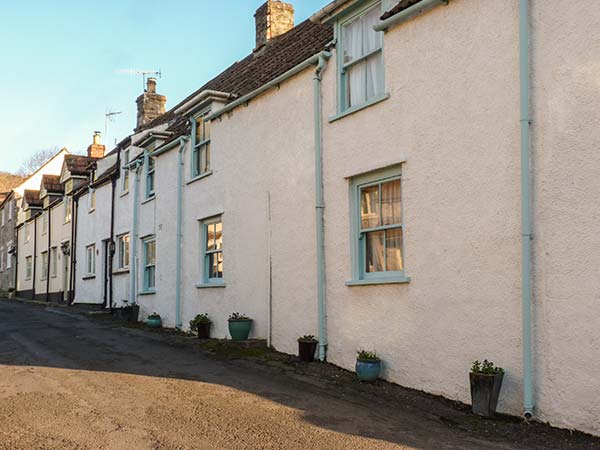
(59,62)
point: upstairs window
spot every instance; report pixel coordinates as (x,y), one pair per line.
(68,213)
(150,170)
(125,174)
(45,221)
(27,231)
(200,145)
(361,59)
(10,211)
(28,267)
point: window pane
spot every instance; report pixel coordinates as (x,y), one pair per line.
(352,40)
(374,252)
(356,84)
(218,236)
(199,130)
(150,277)
(150,253)
(207,158)
(215,265)
(391,205)
(393,244)
(206,130)
(210,236)
(204,159)
(371,38)
(126,251)
(374,81)
(369,207)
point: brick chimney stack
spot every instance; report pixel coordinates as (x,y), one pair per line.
(150,105)
(96,150)
(272,19)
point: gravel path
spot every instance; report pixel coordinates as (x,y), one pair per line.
(71,382)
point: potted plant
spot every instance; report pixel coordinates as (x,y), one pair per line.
(129,313)
(239,326)
(486,381)
(201,325)
(154,320)
(307,345)
(368,365)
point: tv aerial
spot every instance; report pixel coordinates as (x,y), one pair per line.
(143,72)
(109,116)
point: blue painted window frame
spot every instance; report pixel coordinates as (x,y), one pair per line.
(207,253)
(150,164)
(357,238)
(149,266)
(200,148)
(342,101)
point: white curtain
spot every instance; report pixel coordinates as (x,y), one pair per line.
(374,66)
(353,49)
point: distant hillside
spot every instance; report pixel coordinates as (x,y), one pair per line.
(9,181)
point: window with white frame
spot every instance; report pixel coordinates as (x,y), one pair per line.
(378,242)
(90,260)
(361,68)
(149,267)
(212,243)
(45,221)
(53,262)
(44,273)
(150,170)
(68,210)
(123,251)
(125,174)
(28,267)
(200,145)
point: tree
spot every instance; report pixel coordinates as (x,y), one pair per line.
(9,181)
(37,160)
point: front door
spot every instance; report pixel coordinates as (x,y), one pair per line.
(65,273)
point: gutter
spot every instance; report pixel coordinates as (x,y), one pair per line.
(312,61)
(320,202)
(408,13)
(526,228)
(180,164)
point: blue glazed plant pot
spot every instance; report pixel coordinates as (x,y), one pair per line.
(154,322)
(368,370)
(240,329)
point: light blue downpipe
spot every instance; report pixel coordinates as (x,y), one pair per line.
(134,235)
(408,13)
(320,203)
(180,165)
(526,229)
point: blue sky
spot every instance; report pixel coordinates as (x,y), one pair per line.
(59,62)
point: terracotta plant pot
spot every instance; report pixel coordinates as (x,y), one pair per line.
(306,350)
(204,330)
(240,329)
(485,390)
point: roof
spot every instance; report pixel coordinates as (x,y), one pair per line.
(258,68)
(32,198)
(401,6)
(51,183)
(78,164)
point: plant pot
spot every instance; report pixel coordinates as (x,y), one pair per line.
(485,390)
(154,322)
(130,313)
(204,330)
(306,350)
(240,329)
(368,370)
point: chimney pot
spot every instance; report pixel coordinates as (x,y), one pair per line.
(272,19)
(151,85)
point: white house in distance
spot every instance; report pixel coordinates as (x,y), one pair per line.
(399,177)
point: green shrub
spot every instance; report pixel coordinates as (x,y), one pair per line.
(486,368)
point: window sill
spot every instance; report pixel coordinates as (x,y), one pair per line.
(91,211)
(120,271)
(210,285)
(199,177)
(124,193)
(372,281)
(148,199)
(362,106)
(148,292)
(88,277)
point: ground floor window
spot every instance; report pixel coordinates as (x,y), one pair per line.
(378,231)
(149,263)
(44,273)
(123,251)
(53,261)
(212,248)
(90,260)
(28,267)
